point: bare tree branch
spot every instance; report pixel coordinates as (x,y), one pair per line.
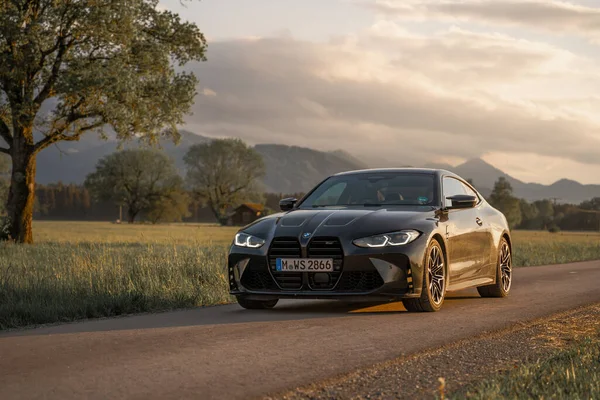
(59,133)
(45,92)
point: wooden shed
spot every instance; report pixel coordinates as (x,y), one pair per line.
(246,213)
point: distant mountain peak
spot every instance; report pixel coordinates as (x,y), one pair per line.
(483,174)
(566,182)
(479,163)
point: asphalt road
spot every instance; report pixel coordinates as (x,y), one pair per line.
(226,352)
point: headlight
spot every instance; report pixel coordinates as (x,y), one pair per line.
(388,239)
(245,240)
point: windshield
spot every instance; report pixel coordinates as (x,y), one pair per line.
(374,189)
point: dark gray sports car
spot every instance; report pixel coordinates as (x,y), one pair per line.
(384,234)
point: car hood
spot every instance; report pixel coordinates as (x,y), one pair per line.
(343,222)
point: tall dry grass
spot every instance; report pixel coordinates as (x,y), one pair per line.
(53,282)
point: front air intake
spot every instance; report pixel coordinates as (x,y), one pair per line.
(326,247)
(285,247)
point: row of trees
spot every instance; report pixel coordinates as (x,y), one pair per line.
(219,175)
(58,201)
(145,183)
(544,214)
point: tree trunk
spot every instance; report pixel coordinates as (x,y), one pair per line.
(21,195)
(220,216)
(131,214)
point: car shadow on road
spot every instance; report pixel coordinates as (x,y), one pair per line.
(286,310)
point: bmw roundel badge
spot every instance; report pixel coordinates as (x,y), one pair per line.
(306,235)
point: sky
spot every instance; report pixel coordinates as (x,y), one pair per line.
(407,82)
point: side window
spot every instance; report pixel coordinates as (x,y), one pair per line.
(452,187)
(470,191)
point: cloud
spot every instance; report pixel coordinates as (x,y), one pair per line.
(396,97)
(462,57)
(547,15)
(208,92)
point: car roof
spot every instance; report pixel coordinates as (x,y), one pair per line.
(431,171)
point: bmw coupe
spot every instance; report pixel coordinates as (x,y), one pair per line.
(376,235)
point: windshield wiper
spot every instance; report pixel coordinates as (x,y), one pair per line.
(349,205)
(392,204)
(363,205)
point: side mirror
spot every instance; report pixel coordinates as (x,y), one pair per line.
(462,201)
(287,204)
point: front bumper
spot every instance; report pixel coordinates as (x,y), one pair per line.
(378,275)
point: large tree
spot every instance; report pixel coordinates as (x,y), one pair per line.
(529,214)
(68,67)
(137,179)
(545,213)
(223,173)
(502,198)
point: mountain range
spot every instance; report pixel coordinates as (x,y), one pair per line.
(485,175)
(291,169)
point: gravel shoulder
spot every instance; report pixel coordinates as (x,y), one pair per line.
(451,368)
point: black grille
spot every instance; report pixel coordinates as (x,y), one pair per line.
(359,281)
(257,277)
(285,247)
(325,247)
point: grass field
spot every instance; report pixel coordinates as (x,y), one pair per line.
(106,232)
(543,248)
(82,270)
(573,373)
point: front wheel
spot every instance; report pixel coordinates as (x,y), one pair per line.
(503,274)
(256,304)
(434,282)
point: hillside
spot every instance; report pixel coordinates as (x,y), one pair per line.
(297,169)
(289,168)
(70,162)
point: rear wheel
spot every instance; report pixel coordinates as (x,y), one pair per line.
(256,304)
(434,282)
(503,274)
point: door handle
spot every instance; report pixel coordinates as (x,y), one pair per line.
(479,221)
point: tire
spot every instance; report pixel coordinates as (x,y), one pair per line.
(503,274)
(256,304)
(434,270)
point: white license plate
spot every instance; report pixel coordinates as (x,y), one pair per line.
(304,264)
